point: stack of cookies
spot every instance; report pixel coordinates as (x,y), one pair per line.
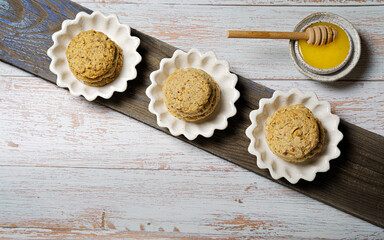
(94,58)
(294,134)
(190,94)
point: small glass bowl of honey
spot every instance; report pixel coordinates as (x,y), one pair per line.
(333,60)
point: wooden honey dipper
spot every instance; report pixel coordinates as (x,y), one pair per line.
(317,35)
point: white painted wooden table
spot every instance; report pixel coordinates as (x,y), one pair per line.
(74,169)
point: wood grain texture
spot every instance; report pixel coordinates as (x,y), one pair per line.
(78,127)
(242,2)
(33,22)
(182,158)
(268,59)
(134,103)
(237,214)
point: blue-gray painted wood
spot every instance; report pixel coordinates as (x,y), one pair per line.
(355,183)
(26,35)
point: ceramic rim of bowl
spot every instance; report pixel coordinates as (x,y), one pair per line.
(319,70)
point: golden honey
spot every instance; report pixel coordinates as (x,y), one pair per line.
(329,55)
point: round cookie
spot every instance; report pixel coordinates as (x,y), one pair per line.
(191,94)
(319,146)
(293,133)
(91,54)
(111,75)
(210,105)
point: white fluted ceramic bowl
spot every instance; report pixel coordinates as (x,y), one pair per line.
(279,168)
(109,25)
(218,69)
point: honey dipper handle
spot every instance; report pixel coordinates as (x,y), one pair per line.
(267,34)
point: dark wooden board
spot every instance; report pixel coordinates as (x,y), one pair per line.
(354,184)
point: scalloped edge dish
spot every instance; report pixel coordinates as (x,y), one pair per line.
(218,69)
(277,167)
(109,25)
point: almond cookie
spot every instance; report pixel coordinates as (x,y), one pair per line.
(91,54)
(293,133)
(191,94)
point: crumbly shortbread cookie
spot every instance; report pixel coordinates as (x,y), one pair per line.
(103,80)
(211,104)
(91,54)
(108,74)
(319,146)
(293,133)
(191,94)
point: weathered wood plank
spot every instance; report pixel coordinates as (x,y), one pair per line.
(78,127)
(243,2)
(260,58)
(265,59)
(33,23)
(333,188)
(39,233)
(101,202)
